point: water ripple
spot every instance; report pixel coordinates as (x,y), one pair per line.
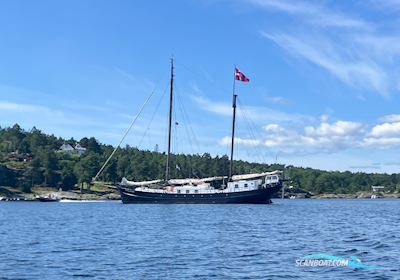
(115,241)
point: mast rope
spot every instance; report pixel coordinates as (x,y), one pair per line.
(191,138)
(152,116)
(250,126)
(188,126)
(123,138)
(258,151)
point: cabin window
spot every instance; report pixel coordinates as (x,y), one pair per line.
(196,191)
(236,186)
(179,191)
(187,191)
(245,185)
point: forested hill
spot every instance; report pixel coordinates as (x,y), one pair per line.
(32,158)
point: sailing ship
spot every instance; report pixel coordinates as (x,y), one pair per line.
(255,188)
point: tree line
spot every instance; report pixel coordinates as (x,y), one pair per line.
(32,158)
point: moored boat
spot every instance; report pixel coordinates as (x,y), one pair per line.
(48,198)
(256,188)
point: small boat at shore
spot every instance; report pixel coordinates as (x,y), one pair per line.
(48,198)
(255,188)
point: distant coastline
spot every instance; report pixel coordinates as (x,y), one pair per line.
(103,192)
(33,163)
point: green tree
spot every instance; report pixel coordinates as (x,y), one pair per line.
(68,178)
(36,172)
(87,168)
(51,177)
(84,142)
(110,172)
(7,176)
(93,145)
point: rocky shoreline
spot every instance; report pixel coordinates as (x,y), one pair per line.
(103,193)
(107,192)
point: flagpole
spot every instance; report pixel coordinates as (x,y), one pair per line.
(233,123)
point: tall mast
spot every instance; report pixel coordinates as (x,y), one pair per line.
(233,123)
(171,94)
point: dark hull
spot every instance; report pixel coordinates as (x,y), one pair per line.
(260,196)
(47,199)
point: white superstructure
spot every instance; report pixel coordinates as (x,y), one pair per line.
(239,183)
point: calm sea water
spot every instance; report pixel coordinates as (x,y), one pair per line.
(110,240)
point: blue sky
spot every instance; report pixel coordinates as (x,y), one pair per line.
(324,88)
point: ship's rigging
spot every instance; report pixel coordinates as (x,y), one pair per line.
(175,102)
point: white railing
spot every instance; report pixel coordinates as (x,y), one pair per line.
(199,191)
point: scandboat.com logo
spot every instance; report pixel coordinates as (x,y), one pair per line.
(321,259)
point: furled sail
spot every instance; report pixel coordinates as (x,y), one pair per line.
(198,181)
(254,175)
(195,181)
(126,182)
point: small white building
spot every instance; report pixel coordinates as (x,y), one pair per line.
(68,149)
(377,188)
(79,149)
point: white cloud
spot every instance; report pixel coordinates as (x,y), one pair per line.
(316,14)
(38,115)
(260,114)
(325,137)
(20,108)
(386,130)
(63,123)
(382,143)
(292,133)
(214,107)
(240,141)
(339,128)
(386,48)
(274,128)
(390,118)
(363,54)
(354,69)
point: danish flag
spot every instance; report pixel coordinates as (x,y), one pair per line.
(239,76)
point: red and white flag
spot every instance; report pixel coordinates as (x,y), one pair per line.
(239,76)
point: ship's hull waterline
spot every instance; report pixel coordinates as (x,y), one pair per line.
(260,196)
